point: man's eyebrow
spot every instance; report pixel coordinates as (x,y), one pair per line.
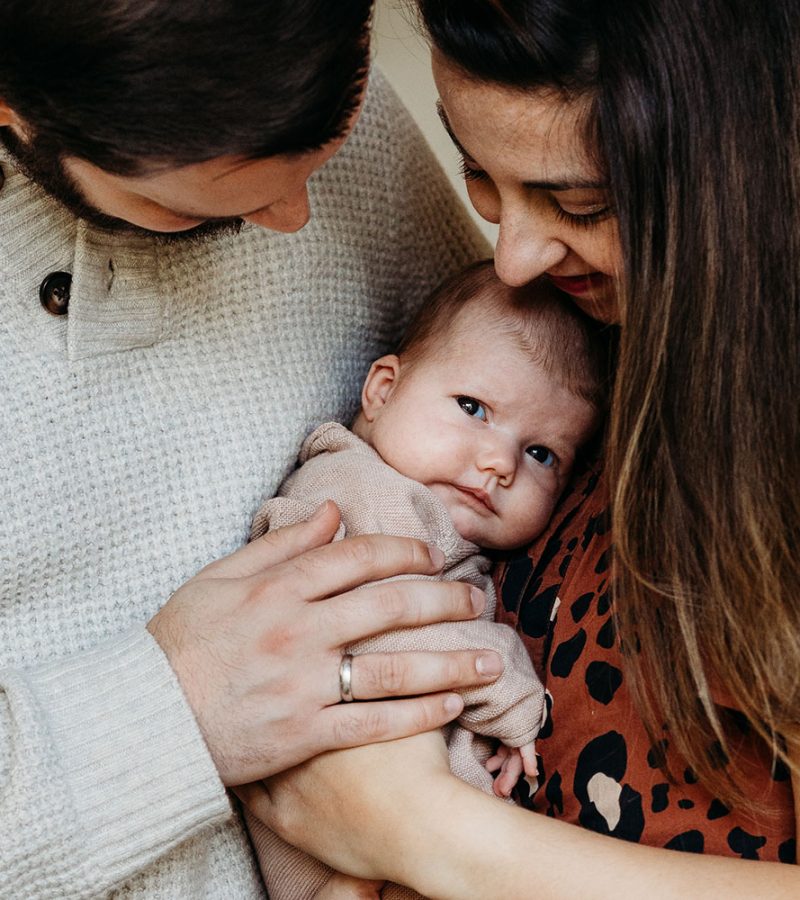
(565,184)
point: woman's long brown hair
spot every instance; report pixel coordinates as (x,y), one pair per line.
(696,120)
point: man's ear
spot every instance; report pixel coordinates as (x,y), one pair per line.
(379,384)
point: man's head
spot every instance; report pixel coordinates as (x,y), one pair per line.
(492,394)
(103,100)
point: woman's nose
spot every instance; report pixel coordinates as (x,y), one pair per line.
(289,214)
(525,248)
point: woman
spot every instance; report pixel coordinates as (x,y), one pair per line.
(646,156)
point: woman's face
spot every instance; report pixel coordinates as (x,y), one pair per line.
(527,170)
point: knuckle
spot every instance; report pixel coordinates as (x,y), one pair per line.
(419,555)
(359,726)
(365,551)
(462,599)
(452,669)
(395,608)
(422,717)
(392,674)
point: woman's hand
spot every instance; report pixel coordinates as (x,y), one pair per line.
(256,640)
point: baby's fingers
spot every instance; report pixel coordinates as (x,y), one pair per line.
(509,774)
(528,754)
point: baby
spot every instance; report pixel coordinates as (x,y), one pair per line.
(465,439)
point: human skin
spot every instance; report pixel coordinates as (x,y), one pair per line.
(458,844)
(527,170)
(482,423)
(262,677)
(455,842)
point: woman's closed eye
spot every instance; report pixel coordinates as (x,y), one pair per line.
(582,220)
(542,455)
(594,215)
(470,172)
(472,407)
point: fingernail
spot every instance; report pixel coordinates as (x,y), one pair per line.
(453,704)
(437,557)
(489,664)
(478,599)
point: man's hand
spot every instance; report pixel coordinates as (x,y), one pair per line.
(256,640)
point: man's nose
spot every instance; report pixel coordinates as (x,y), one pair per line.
(525,247)
(288,214)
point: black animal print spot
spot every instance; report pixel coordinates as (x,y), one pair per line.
(534,615)
(566,654)
(657,754)
(607,755)
(573,543)
(717,810)
(604,603)
(581,606)
(718,757)
(603,681)
(607,634)
(689,842)
(516,581)
(554,795)
(689,777)
(787,851)
(660,799)
(564,567)
(686,803)
(547,725)
(603,562)
(591,530)
(745,844)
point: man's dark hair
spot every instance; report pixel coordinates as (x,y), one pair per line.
(133,85)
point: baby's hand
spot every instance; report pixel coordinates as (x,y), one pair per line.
(345,887)
(511,762)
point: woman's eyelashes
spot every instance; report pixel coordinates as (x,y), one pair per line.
(470,172)
(472,407)
(581,220)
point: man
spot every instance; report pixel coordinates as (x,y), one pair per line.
(162,358)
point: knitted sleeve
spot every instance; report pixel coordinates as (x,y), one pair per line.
(102,770)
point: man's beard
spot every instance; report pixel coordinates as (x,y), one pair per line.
(42,164)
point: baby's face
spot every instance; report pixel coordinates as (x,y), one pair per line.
(485,428)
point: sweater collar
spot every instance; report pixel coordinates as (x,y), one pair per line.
(115,301)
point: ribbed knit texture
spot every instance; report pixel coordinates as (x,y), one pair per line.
(374,498)
(139,435)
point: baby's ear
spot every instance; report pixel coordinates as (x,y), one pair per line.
(379,384)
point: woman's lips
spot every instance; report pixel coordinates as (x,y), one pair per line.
(580,285)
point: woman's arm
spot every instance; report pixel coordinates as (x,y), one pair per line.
(394,811)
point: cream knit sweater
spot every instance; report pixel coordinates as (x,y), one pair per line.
(139,435)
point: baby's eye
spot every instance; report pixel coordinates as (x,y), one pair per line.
(472,407)
(542,455)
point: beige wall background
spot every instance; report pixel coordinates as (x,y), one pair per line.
(404,57)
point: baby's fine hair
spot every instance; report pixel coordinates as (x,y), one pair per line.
(567,343)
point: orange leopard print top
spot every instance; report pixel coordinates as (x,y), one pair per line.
(597,767)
